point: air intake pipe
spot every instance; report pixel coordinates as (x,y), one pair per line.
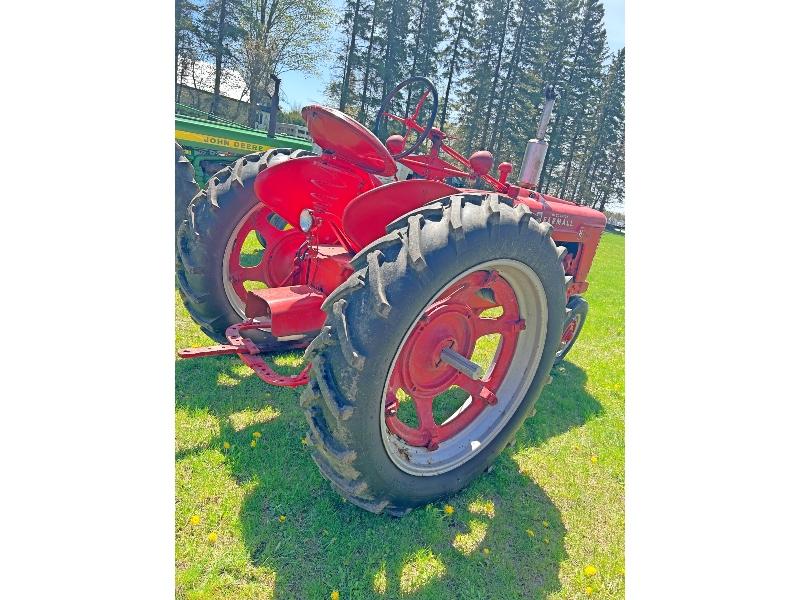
(536,150)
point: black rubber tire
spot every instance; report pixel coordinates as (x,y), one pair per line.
(186,187)
(577,308)
(396,277)
(213,216)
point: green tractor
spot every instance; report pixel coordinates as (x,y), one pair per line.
(206,144)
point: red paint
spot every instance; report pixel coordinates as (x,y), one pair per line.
(322,184)
(277,262)
(453,320)
(366,217)
(291,310)
(481,162)
(348,139)
(352,209)
(250,355)
(569,332)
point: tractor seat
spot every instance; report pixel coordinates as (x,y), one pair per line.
(348,139)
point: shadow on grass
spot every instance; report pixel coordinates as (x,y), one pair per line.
(505,538)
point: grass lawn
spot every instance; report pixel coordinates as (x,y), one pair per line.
(553,504)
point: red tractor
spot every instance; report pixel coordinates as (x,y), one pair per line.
(395,289)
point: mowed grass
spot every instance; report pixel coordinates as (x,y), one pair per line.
(527,529)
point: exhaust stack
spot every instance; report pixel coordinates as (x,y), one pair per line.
(536,150)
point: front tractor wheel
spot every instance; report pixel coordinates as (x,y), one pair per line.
(434,351)
(577,309)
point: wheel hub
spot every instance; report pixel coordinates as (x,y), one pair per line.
(446,325)
(453,321)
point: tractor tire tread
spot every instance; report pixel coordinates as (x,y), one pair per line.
(199,247)
(336,357)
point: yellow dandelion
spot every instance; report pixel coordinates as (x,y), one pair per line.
(256,434)
(589,591)
(195,520)
(212,537)
(304,441)
(448,510)
(486,551)
(282,518)
(546,540)
(226,445)
(590,571)
(594,459)
(335,595)
(253,444)
(545,523)
(530,532)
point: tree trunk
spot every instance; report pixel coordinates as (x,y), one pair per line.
(509,79)
(362,114)
(348,63)
(607,190)
(556,137)
(495,77)
(416,51)
(450,71)
(218,51)
(567,172)
(252,109)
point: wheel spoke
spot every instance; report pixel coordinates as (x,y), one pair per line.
(241,274)
(500,325)
(423,404)
(395,118)
(419,104)
(476,388)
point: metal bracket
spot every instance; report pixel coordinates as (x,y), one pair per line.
(249,352)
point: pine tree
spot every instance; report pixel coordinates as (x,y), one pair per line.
(481,77)
(369,70)
(521,83)
(352,20)
(608,128)
(393,44)
(583,75)
(459,39)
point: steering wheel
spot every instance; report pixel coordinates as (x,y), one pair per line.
(410,121)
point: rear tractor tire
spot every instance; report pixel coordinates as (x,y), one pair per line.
(416,292)
(211,242)
(577,310)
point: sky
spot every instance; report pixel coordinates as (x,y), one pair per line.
(300,88)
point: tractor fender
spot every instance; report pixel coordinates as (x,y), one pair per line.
(323,184)
(366,217)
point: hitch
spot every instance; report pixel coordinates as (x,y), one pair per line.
(249,352)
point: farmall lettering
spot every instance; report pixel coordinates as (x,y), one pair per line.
(556,220)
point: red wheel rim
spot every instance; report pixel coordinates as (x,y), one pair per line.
(569,332)
(453,321)
(277,264)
